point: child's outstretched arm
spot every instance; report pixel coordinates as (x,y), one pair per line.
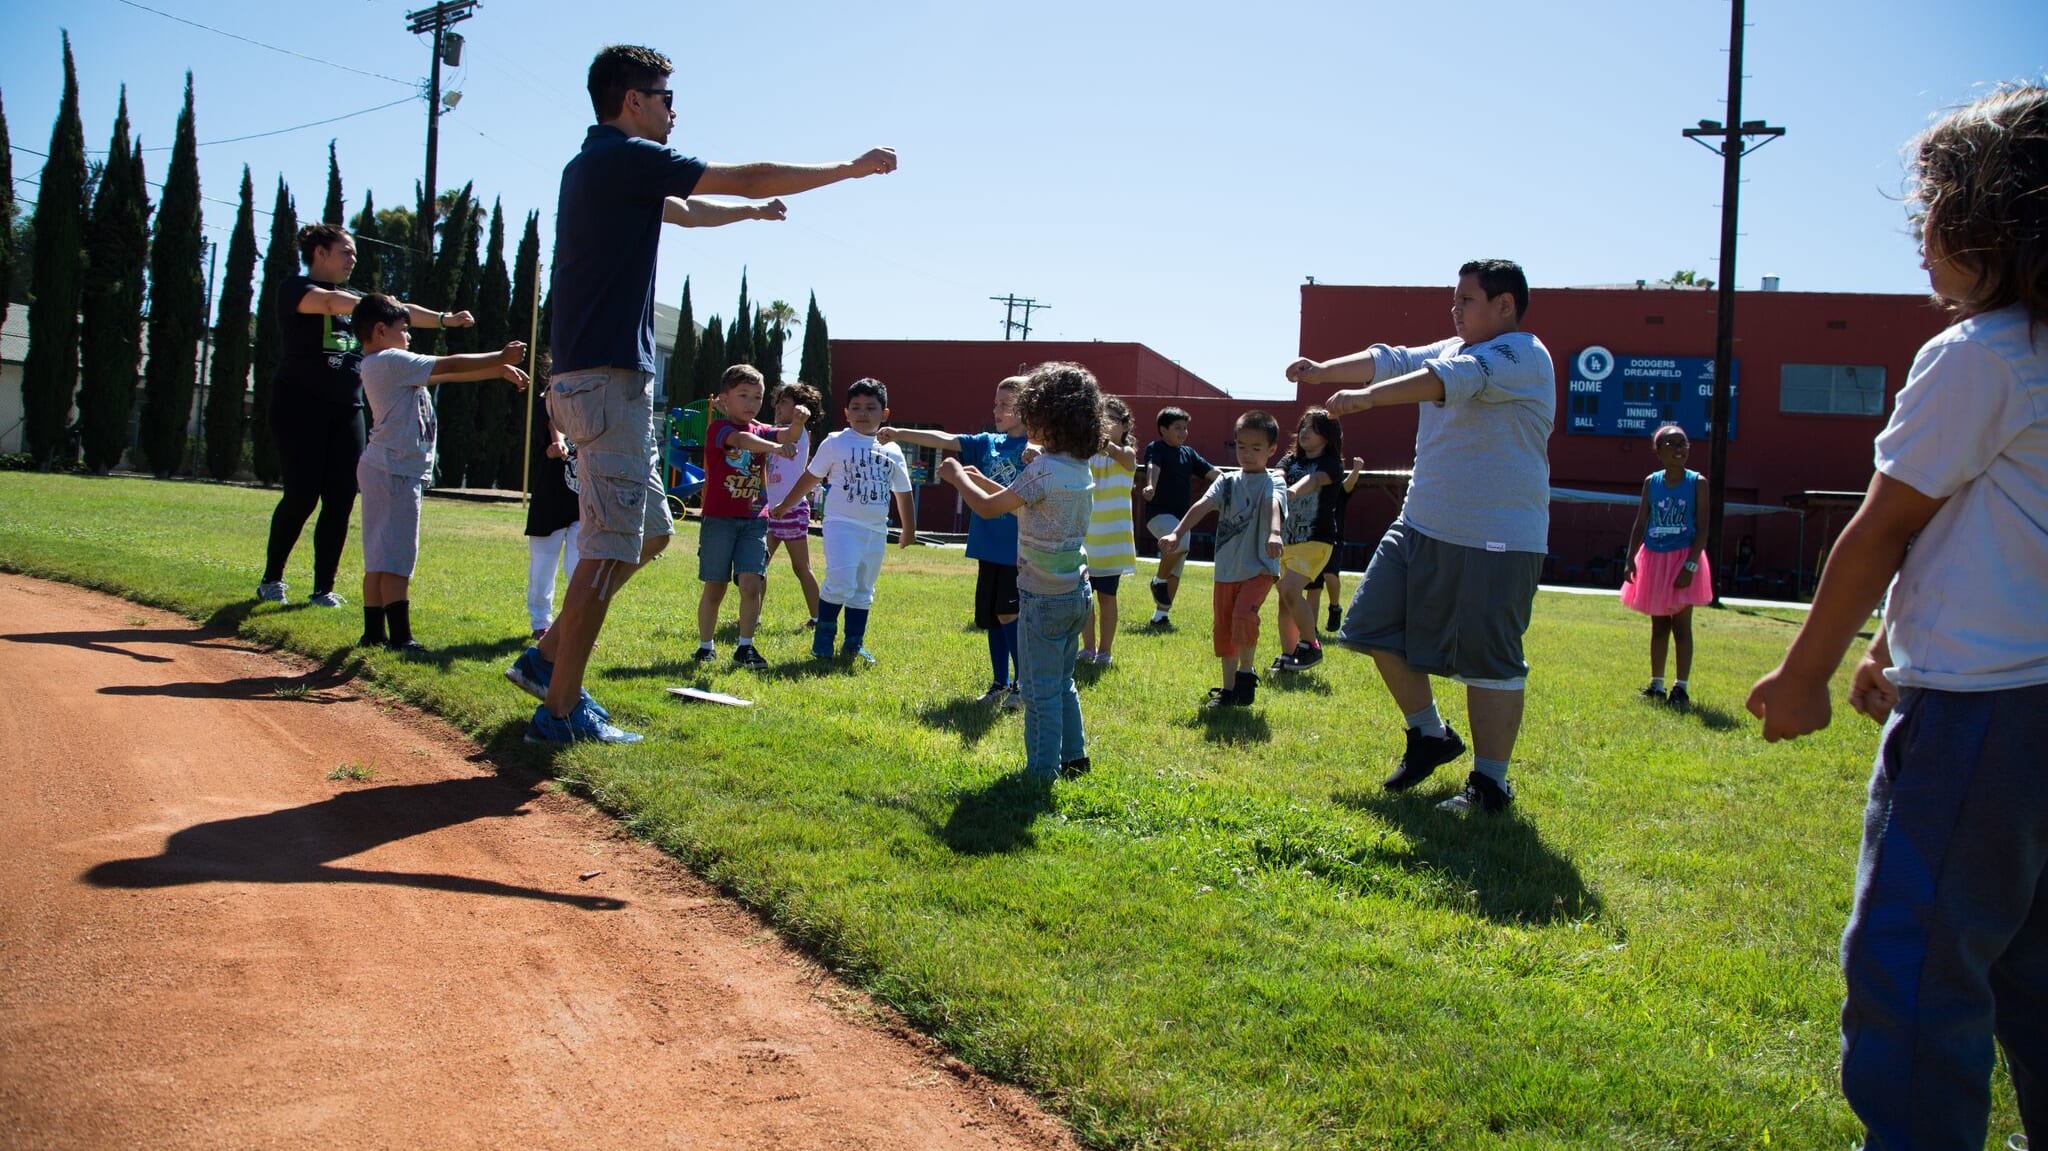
(1125,457)
(1351,477)
(988,498)
(748,441)
(1635,535)
(1308,483)
(1275,541)
(502,364)
(924,438)
(1170,542)
(1793,699)
(1421,386)
(799,417)
(1356,368)
(797,491)
(906,519)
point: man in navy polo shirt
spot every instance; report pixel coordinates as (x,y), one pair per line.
(616,194)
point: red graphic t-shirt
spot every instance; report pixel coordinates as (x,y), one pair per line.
(734,479)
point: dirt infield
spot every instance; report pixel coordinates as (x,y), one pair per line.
(208,942)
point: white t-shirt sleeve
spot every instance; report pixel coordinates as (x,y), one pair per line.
(1501,370)
(832,450)
(1960,408)
(899,469)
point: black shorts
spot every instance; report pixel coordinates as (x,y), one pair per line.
(1333,564)
(995,593)
(1104,585)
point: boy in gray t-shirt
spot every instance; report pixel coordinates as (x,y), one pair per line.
(393,470)
(1249,507)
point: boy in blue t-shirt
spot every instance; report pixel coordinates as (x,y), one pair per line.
(992,543)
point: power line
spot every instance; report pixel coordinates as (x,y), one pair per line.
(237,206)
(271,47)
(255,135)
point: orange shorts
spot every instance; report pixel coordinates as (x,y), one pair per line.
(1236,625)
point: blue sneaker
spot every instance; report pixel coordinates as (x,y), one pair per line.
(582,724)
(532,674)
(860,653)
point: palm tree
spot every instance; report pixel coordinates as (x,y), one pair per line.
(780,316)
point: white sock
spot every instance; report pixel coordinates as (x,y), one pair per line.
(1428,721)
(707,645)
(1657,683)
(746,641)
(1677,684)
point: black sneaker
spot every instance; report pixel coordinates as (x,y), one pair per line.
(1652,694)
(1279,663)
(1481,794)
(1220,697)
(1306,655)
(1335,620)
(1247,688)
(410,649)
(1423,756)
(704,655)
(745,656)
(1680,700)
(1075,768)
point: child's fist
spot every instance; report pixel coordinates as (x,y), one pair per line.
(799,414)
(1273,545)
(887,435)
(949,468)
(512,352)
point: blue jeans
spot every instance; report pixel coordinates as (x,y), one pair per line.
(1948,942)
(1048,641)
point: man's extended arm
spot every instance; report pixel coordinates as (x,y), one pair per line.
(762,180)
(696,213)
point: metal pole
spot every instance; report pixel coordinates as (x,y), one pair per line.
(533,382)
(205,354)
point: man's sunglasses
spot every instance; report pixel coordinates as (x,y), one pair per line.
(668,95)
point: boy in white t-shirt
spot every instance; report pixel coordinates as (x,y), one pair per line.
(393,470)
(863,475)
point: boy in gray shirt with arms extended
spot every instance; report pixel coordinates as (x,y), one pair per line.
(393,470)
(1449,589)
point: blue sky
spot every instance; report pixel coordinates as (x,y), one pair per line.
(1159,172)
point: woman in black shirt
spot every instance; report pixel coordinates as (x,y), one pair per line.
(316,408)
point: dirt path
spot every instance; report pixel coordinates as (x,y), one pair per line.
(206,942)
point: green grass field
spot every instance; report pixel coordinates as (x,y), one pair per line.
(1226,935)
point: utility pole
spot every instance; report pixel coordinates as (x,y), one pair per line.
(448,50)
(205,350)
(1010,305)
(1734,144)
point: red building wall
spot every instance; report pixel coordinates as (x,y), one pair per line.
(1774,454)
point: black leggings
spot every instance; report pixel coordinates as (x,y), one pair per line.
(318,445)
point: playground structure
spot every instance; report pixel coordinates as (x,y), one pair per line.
(683,453)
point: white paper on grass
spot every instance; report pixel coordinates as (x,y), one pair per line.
(698,693)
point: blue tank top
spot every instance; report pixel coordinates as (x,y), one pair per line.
(1674,513)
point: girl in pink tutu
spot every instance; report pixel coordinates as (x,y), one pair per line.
(1667,570)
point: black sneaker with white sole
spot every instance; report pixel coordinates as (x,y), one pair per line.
(1424,755)
(1679,700)
(1481,793)
(746,656)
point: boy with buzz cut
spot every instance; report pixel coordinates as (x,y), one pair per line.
(732,540)
(991,543)
(1249,507)
(863,476)
(393,470)
(1171,471)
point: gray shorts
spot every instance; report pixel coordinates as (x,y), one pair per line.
(391,519)
(1448,610)
(608,413)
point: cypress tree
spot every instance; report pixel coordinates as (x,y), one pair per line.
(455,266)
(369,273)
(50,375)
(6,216)
(336,208)
(511,464)
(739,340)
(229,379)
(498,406)
(177,304)
(682,360)
(280,263)
(772,368)
(815,366)
(770,374)
(395,227)
(710,358)
(116,252)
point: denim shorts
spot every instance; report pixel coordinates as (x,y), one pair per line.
(608,413)
(729,546)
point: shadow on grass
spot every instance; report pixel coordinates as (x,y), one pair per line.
(967,717)
(996,819)
(1232,726)
(1499,861)
(1292,683)
(108,640)
(443,658)
(1713,718)
(299,844)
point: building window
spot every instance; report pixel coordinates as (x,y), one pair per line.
(1831,389)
